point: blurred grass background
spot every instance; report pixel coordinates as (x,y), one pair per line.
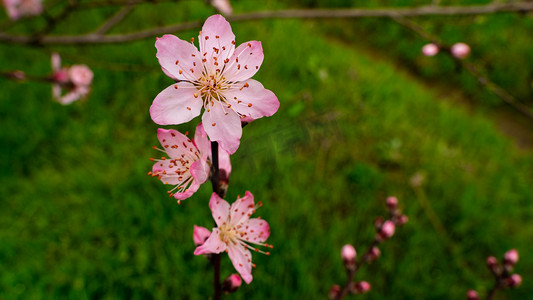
(362,113)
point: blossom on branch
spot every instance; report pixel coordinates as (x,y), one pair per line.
(235,231)
(77,79)
(22,8)
(216,78)
(189,161)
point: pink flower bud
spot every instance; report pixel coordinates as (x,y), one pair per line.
(348,255)
(231,283)
(514,281)
(430,49)
(373,254)
(378,222)
(392,202)
(334,291)
(472,295)
(401,220)
(460,50)
(492,262)
(200,235)
(511,257)
(362,287)
(387,230)
(60,76)
(80,75)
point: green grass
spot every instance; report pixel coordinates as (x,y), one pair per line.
(81,219)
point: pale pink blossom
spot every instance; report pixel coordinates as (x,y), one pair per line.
(200,235)
(223,6)
(235,232)
(216,78)
(362,287)
(387,230)
(188,164)
(430,49)
(76,79)
(348,255)
(22,8)
(511,257)
(514,280)
(460,50)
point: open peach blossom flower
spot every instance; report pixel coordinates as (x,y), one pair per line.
(188,164)
(76,80)
(235,231)
(216,78)
(22,8)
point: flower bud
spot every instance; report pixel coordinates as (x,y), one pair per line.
(460,50)
(392,202)
(200,235)
(231,283)
(334,291)
(373,254)
(361,287)
(348,255)
(492,264)
(401,220)
(387,230)
(511,257)
(378,222)
(430,49)
(514,281)
(472,295)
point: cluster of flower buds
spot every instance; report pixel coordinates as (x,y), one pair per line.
(76,79)
(457,50)
(385,228)
(502,272)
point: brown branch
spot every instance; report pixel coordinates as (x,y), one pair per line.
(428,10)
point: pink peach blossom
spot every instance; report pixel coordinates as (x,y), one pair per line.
(188,164)
(460,50)
(22,8)
(234,231)
(76,80)
(430,49)
(216,78)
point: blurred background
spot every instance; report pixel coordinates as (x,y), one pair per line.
(363,115)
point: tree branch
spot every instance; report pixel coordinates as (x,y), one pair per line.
(428,10)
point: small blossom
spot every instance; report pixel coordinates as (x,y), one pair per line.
(511,257)
(401,220)
(188,164)
(361,287)
(223,6)
(216,78)
(514,281)
(235,232)
(348,255)
(200,235)
(392,202)
(77,80)
(373,254)
(231,284)
(23,8)
(430,49)
(387,230)
(472,295)
(460,50)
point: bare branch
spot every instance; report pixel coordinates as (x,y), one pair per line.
(428,10)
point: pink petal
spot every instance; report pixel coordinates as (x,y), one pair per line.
(200,171)
(176,105)
(242,261)
(201,141)
(188,192)
(242,208)
(176,55)
(258,231)
(224,160)
(251,99)
(70,97)
(223,125)
(56,62)
(245,61)
(200,235)
(216,40)
(176,143)
(212,245)
(219,208)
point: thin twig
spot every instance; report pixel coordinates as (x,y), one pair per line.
(427,10)
(115,19)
